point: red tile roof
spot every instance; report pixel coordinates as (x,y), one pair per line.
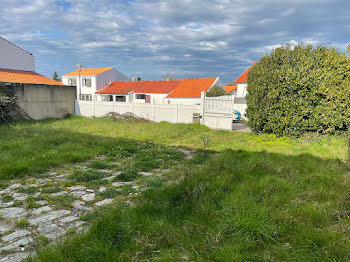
(89,71)
(14,76)
(229,89)
(150,87)
(243,77)
(192,87)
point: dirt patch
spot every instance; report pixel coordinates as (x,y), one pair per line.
(127,117)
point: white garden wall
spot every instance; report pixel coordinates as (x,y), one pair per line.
(154,112)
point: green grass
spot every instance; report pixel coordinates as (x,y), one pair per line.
(254,197)
(22,223)
(6,198)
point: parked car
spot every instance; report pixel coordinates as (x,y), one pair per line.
(236,116)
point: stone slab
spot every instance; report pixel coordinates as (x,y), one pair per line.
(88,197)
(13,212)
(51,231)
(78,193)
(48,217)
(19,243)
(104,202)
(16,257)
(15,235)
(40,210)
(4,227)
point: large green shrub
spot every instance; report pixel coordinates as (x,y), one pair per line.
(216,91)
(297,90)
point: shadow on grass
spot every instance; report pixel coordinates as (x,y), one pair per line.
(240,206)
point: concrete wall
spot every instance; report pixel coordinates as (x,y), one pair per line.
(45,101)
(15,58)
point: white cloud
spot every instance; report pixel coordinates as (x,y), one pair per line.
(186,37)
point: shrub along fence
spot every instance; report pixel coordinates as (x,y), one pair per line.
(297,90)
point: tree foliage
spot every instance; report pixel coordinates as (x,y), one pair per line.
(55,77)
(216,91)
(297,90)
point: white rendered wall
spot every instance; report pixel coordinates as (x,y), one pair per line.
(183,100)
(242,89)
(14,58)
(155,112)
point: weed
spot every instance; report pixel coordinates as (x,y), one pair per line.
(79,175)
(62,201)
(51,189)
(108,193)
(6,198)
(128,175)
(28,190)
(43,240)
(22,223)
(98,165)
(17,203)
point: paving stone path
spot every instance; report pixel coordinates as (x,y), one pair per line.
(30,213)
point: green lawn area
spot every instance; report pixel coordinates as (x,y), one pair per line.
(253,198)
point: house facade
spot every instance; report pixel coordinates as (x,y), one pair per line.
(91,80)
(241,82)
(18,66)
(188,92)
(153,92)
(13,57)
(231,90)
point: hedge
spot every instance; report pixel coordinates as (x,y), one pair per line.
(298,90)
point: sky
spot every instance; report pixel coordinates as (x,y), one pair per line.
(154,39)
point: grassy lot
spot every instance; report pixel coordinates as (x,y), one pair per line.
(255,198)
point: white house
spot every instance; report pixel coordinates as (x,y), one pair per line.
(90,80)
(241,82)
(13,57)
(152,92)
(188,92)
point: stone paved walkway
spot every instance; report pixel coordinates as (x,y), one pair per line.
(44,209)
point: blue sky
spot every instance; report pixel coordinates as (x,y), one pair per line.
(154,39)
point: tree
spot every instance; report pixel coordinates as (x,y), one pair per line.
(55,77)
(297,90)
(216,91)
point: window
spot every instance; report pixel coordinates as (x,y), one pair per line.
(72,81)
(87,82)
(120,99)
(85,97)
(140,96)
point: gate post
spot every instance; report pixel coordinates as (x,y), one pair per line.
(203,107)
